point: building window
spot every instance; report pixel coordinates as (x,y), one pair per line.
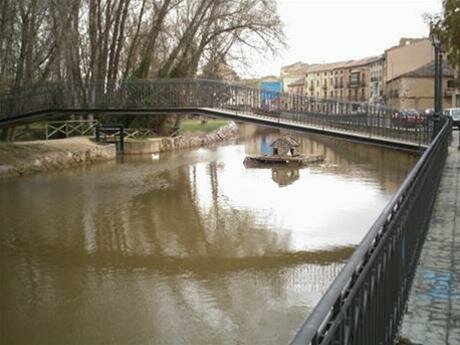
(354,79)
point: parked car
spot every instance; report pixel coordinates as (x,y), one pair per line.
(409,117)
(454,113)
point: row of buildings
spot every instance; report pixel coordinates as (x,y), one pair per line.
(402,77)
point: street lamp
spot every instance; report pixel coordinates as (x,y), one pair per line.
(436,42)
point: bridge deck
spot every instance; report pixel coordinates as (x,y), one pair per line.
(353,120)
(268,120)
(433,315)
(302,126)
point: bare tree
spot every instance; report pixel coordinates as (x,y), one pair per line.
(82,40)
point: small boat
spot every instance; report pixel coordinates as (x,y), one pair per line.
(284,152)
(298,160)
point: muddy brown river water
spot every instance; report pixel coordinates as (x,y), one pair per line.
(190,248)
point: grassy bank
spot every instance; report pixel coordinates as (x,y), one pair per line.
(196,126)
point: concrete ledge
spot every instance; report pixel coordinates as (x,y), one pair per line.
(142,147)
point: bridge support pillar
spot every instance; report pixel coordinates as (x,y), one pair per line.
(98,132)
(7,134)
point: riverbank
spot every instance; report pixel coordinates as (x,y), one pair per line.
(187,141)
(23,158)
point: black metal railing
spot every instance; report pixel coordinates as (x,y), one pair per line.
(366,301)
(172,94)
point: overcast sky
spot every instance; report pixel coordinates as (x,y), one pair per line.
(332,30)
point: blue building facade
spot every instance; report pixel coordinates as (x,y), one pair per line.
(273,88)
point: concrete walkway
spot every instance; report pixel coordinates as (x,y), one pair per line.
(433,315)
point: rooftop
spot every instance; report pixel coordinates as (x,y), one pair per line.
(270,78)
(295,69)
(300,81)
(363,61)
(290,141)
(343,64)
(404,42)
(428,71)
(327,66)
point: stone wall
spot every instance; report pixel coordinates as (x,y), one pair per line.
(64,153)
(59,159)
(156,145)
(142,147)
(415,93)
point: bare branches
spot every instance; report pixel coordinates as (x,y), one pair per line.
(76,40)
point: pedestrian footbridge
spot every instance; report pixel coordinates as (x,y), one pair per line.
(353,120)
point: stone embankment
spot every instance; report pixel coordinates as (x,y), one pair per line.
(37,156)
(30,157)
(156,145)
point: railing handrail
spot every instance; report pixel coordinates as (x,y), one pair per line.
(40,88)
(171,95)
(362,254)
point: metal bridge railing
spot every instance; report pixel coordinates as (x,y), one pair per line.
(366,301)
(173,94)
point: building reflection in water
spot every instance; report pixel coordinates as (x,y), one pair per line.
(192,248)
